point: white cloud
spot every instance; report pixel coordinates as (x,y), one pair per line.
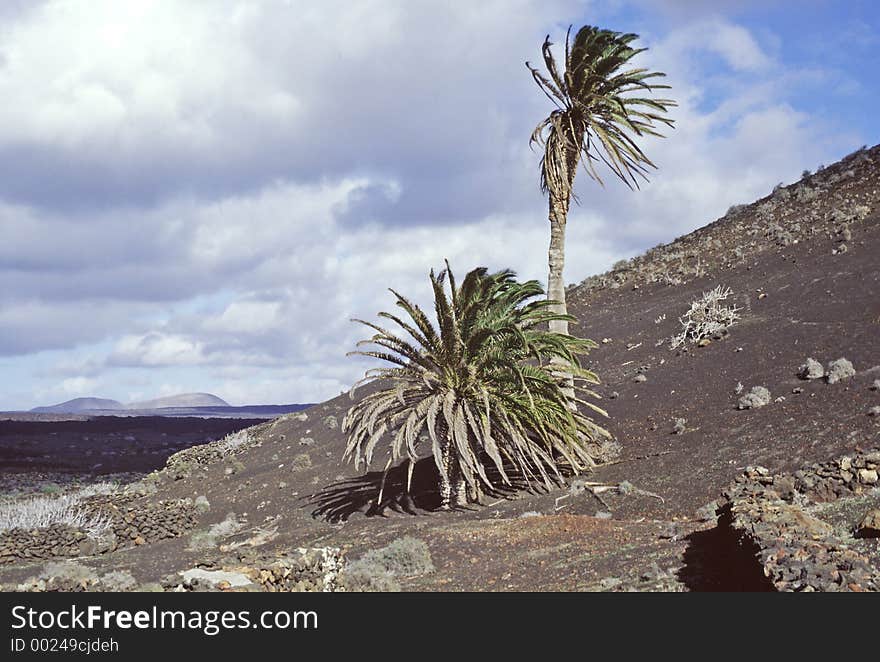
(202,194)
(157,349)
(246,317)
(78,386)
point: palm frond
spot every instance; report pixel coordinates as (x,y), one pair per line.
(479,384)
(595,117)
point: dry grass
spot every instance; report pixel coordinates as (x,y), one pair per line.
(44,511)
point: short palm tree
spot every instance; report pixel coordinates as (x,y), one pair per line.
(596,118)
(475,387)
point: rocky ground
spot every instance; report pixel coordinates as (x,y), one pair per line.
(707,492)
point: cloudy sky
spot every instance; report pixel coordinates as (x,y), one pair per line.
(197,195)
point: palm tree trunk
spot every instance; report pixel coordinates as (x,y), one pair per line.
(453,488)
(446,481)
(459,486)
(556,255)
(556,281)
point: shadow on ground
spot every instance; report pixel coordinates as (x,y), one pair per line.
(339,501)
(716,561)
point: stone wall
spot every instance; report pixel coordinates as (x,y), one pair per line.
(131,524)
(775,516)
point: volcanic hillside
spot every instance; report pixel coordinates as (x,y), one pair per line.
(802,266)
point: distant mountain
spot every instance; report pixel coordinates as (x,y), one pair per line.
(78,405)
(186,400)
(203,405)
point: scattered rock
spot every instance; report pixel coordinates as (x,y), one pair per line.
(839,370)
(811,369)
(653,573)
(868,476)
(214,578)
(869,527)
(708,512)
(758,396)
(639,378)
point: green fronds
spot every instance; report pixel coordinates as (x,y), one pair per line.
(478,383)
(596,118)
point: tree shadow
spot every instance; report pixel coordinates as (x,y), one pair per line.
(360,494)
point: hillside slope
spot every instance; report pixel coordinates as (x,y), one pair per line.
(801,294)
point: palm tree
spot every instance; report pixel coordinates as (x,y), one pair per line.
(595,119)
(474,387)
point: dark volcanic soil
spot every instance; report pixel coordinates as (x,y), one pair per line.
(103,444)
(801,296)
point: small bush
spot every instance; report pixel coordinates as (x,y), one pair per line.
(378,569)
(210,538)
(707,317)
(118,580)
(363,577)
(202,504)
(330,422)
(405,557)
(301,462)
(679,425)
(69,570)
(233,441)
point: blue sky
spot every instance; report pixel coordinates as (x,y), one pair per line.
(197,196)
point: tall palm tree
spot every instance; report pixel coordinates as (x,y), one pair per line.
(596,118)
(475,386)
